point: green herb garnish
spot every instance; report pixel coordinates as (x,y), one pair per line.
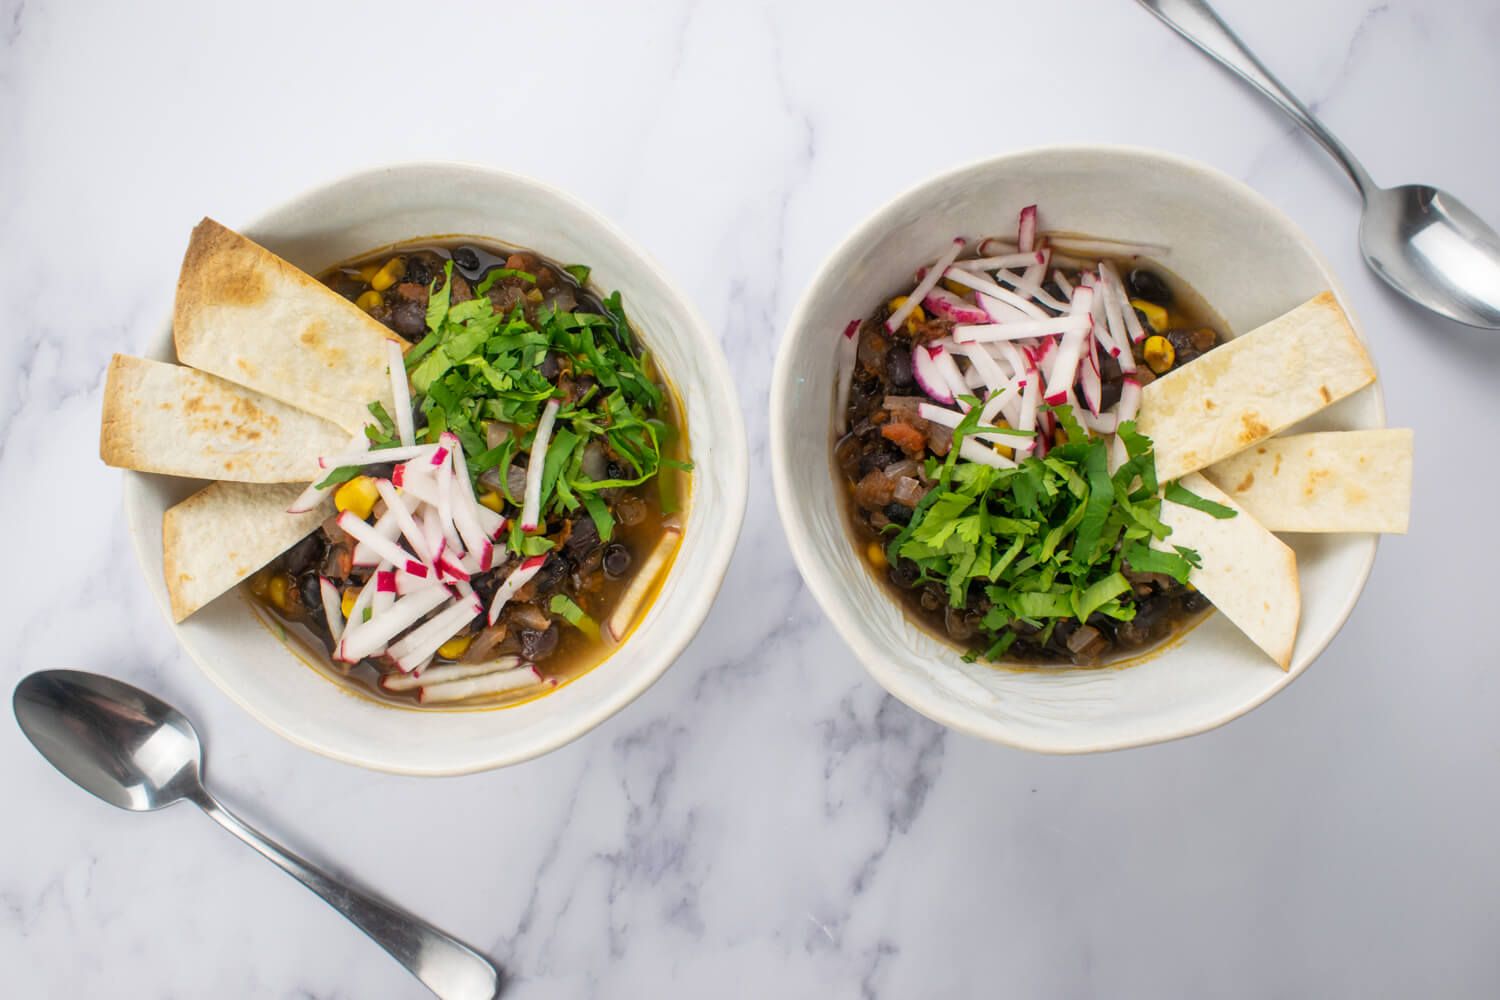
(479,366)
(1178,493)
(1046,541)
(574,615)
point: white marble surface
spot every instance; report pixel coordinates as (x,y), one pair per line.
(765,821)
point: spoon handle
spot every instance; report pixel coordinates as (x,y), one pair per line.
(1196,21)
(449,968)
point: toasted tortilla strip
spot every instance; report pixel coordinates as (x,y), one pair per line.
(1252,387)
(178,421)
(219,536)
(1249,573)
(1332,481)
(246,315)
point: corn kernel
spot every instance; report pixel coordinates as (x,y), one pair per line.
(962,291)
(1005,450)
(455,647)
(393,271)
(491,500)
(1160,354)
(260,584)
(357,496)
(1155,315)
(534,296)
(276,590)
(347,599)
(368,272)
(917,317)
(369,301)
(876,554)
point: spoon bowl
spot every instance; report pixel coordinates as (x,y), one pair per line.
(1435,250)
(135,751)
(119,743)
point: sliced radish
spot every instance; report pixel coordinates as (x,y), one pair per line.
(1063,284)
(1003,312)
(983,363)
(314,494)
(531,514)
(1130,399)
(418,645)
(1018,330)
(492,683)
(1090,386)
(944,303)
(847,354)
(1026,229)
(406,583)
(362,602)
(630,602)
(518,578)
(929,376)
(380,545)
(396,507)
(333,612)
(988,287)
(948,369)
(1030,394)
(447,672)
(450,445)
(952,418)
(466,515)
(363,639)
(928,283)
(375,457)
(1017,259)
(973,451)
(386,527)
(1073,243)
(401,393)
(492,523)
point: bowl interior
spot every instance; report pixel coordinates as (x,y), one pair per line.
(257,670)
(1251,264)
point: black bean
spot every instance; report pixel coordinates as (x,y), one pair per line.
(617,560)
(305,554)
(583,538)
(898,512)
(467,261)
(878,456)
(904,573)
(409,318)
(1194,602)
(539,645)
(551,575)
(898,369)
(1147,284)
(312,595)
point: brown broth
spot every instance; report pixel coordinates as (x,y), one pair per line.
(576,653)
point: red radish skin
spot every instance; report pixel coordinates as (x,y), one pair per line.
(1026,229)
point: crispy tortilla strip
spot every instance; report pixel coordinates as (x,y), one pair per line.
(1252,387)
(246,315)
(219,536)
(178,421)
(1333,481)
(1249,573)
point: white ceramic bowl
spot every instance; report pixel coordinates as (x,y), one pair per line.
(1243,255)
(366,211)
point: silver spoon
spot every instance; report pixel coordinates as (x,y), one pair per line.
(1424,242)
(137,752)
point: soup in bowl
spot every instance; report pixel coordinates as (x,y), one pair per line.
(1004,418)
(523,498)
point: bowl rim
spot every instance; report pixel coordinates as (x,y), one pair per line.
(822,583)
(731,460)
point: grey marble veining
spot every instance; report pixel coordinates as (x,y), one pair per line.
(765,821)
